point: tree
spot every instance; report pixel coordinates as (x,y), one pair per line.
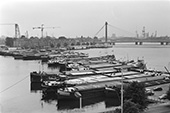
(78,43)
(72,44)
(95,38)
(65,44)
(58,45)
(84,43)
(168,94)
(9,42)
(91,43)
(128,107)
(23,37)
(62,38)
(52,45)
(137,94)
(87,43)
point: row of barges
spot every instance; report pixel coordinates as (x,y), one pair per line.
(100,77)
(42,54)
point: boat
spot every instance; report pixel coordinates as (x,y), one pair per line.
(100,78)
(83,91)
(34,87)
(31,57)
(43,76)
(52,84)
(86,73)
(56,62)
(17,57)
(100,85)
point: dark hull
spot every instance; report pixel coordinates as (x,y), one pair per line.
(34,87)
(35,77)
(66,104)
(109,92)
(5,53)
(17,57)
(40,77)
(31,58)
(85,94)
(53,64)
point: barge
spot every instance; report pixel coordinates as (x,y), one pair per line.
(83,91)
(39,77)
(98,86)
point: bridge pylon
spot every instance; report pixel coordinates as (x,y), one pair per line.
(106,32)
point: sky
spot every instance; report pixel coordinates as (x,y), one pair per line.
(73,18)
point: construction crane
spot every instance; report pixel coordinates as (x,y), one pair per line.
(17,31)
(42,28)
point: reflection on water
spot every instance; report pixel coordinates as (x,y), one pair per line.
(109,102)
(51,97)
(35,87)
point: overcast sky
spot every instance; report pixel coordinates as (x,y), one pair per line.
(85,18)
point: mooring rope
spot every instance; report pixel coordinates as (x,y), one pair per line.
(14,84)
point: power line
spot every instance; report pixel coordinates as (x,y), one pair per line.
(14,84)
(99,30)
(121,29)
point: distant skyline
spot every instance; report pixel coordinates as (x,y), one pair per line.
(85,18)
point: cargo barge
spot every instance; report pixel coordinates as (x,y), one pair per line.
(83,91)
(98,86)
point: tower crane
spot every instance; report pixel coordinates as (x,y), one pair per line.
(17,31)
(42,28)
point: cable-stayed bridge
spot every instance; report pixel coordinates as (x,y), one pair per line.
(133,39)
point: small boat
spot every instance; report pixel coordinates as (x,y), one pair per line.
(43,76)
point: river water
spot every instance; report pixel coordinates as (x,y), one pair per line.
(17,95)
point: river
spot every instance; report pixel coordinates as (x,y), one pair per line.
(17,95)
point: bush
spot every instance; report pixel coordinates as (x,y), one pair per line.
(128,107)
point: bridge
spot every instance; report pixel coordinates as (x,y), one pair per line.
(135,40)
